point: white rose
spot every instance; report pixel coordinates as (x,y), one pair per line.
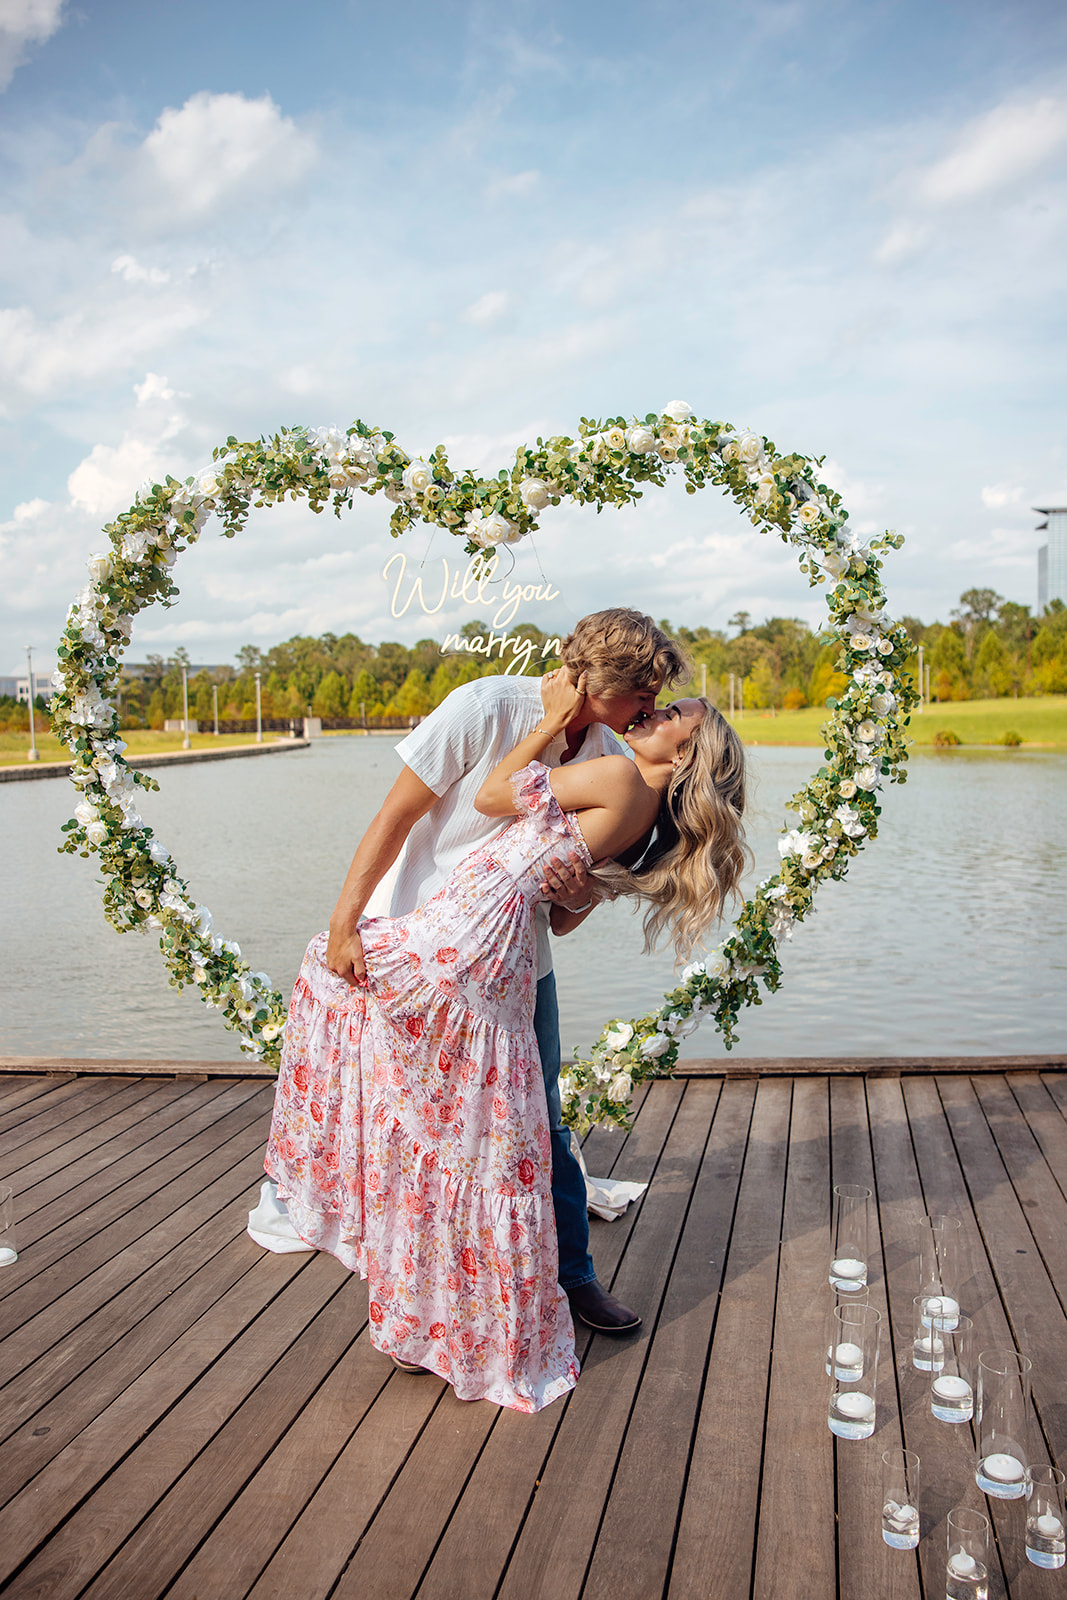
(809,512)
(696,970)
(678,411)
(144,898)
(885,647)
(847,789)
(668,453)
(884,704)
(765,488)
(749,447)
(99,568)
(794,843)
(618,1036)
(835,563)
(614,438)
(96,833)
(810,860)
(498,530)
(641,440)
(868,731)
(730,450)
(861,641)
(535,494)
(199,974)
(85,813)
(655,1046)
(208,483)
(717,965)
(621,1086)
(868,777)
(418,476)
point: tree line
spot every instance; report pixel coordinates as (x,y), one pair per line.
(990,648)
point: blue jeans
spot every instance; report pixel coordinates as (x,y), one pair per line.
(568,1184)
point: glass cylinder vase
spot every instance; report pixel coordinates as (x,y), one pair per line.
(855,1371)
(1002,1407)
(851,1227)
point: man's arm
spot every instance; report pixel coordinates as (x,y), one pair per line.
(407,801)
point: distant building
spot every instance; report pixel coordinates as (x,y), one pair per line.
(1052,557)
(17,688)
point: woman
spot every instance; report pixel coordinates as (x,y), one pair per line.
(410,1135)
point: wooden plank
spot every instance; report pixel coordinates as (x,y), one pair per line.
(510,1468)
(137,1066)
(112,1209)
(61,1391)
(716,1535)
(862,1066)
(945,1193)
(1007,1174)
(98,1489)
(1045,1121)
(905,1415)
(317,1547)
(796,1508)
(170,1534)
(16,1092)
(95,1282)
(861,1549)
(63,1157)
(552,1550)
(171,1103)
(71,1099)
(241,1544)
(632,1556)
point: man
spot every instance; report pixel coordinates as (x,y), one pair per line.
(428,823)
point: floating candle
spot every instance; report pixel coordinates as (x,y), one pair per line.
(1048,1526)
(942,1309)
(849,1355)
(961,1564)
(847,1267)
(859,1406)
(951,1388)
(1003,1468)
(7,1255)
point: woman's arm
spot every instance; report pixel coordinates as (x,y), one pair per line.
(561,701)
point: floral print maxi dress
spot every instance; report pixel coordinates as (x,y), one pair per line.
(410,1134)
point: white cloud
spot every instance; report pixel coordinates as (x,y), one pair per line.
(218,146)
(38,357)
(108,478)
(24,23)
(489,309)
(133,272)
(998,495)
(28,511)
(997,149)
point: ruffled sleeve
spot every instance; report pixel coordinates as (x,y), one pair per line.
(532,793)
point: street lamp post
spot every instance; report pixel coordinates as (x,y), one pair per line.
(185,708)
(259,712)
(32,754)
(215,706)
(921,706)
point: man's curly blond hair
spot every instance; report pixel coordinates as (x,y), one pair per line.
(621,651)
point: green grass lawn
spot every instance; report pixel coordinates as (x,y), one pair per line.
(140,742)
(1038,721)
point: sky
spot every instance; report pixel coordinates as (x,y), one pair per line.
(838,222)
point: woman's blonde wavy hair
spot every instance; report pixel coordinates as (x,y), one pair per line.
(697,855)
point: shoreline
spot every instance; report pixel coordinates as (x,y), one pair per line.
(165,758)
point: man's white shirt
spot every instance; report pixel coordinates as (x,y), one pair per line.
(453,752)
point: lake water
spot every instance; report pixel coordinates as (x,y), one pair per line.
(948,937)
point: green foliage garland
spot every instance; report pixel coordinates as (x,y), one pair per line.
(608,464)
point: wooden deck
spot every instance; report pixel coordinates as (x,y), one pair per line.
(185,1415)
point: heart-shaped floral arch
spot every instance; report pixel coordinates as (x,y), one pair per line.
(607,464)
